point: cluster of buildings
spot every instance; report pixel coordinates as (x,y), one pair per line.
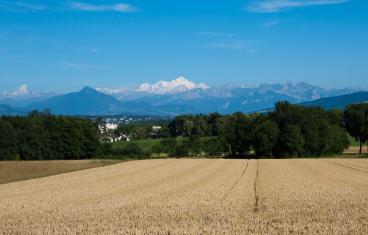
(108,128)
(108,131)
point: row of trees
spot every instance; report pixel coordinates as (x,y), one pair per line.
(288,131)
(143,129)
(198,125)
(129,151)
(190,147)
(41,136)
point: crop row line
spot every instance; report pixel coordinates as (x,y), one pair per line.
(256,197)
(349,167)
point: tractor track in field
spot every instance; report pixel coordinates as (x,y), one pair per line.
(236,182)
(347,166)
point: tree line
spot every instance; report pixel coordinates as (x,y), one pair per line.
(42,136)
(143,129)
(288,131)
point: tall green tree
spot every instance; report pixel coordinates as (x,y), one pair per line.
(356,122)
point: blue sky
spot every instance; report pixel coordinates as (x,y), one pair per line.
(64,45)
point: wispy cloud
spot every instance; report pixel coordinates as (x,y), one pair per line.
(30,6)
(75,65)
(270,6)
(271,23)
(21,6)
(235,45)
(27,5)
(219,40)
(226,41)
(118,7)
(215,34)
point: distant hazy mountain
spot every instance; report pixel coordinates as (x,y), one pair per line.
(225,99)
(176,86)
(205,101)
(8,110)
(22,97)
(184,88)
(175,97)
(339,102)
(88,101)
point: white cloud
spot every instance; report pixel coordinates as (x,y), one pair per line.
(271,23)
(118,7)
(269,6)
(178,85)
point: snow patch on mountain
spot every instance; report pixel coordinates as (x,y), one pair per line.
(23,96)
(178,85)
(21,91)
(112,91)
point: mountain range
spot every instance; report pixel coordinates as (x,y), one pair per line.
(180,96)
(339,102)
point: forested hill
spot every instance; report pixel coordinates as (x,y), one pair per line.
(339,102)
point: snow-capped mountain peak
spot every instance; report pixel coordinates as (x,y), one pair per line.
(112,91)
(178,85)
(21,91)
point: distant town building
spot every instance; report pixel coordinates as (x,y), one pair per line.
(107,127)
(111,126)
(111,138)
(156,128)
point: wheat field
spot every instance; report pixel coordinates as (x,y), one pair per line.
(11,171)
(208,196)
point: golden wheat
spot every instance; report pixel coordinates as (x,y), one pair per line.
(193,197)
(11,171)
